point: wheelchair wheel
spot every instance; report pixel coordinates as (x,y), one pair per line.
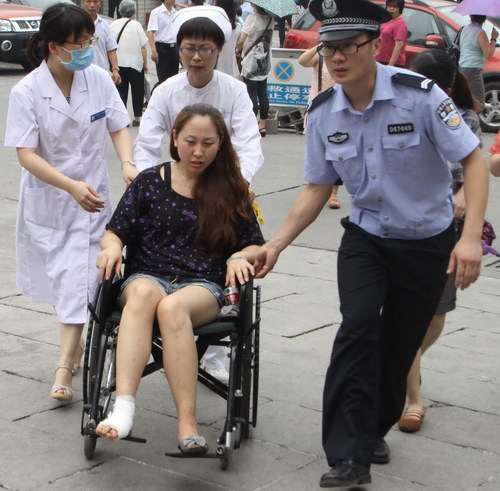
(224,457)
(89,446)
(250,384)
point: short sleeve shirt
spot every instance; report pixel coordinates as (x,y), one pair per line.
(160,22)
(106,43)
(392,156)
(394,30)
(162,224)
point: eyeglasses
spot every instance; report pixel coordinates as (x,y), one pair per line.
(326,50)
(85,44)
(204,51)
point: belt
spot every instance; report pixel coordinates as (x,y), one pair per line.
(168,45)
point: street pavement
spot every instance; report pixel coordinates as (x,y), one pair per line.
(458,447)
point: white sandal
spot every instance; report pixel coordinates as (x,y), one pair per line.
(67,392)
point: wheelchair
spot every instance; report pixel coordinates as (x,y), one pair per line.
(240,393)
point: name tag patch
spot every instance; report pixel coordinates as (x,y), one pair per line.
(99,115)
(397,129)
(338,137)
(448,114)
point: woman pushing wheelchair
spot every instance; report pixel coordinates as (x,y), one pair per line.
(193,230)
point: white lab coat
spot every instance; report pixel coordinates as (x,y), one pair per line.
(224,92)
(57,240)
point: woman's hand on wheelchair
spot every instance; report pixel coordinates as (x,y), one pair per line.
(238,272)
(108,259)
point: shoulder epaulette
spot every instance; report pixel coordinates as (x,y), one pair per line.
(415,81)
(319,99)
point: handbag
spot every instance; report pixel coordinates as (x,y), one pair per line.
(454,49)
(240,57)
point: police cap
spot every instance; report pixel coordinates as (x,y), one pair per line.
(342,19)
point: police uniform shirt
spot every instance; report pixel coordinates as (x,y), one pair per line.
(392,157)
(225,93)
(106,43)
(160,22)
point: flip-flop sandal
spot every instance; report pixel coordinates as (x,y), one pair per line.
(412,420)
(334,203)
(193,445)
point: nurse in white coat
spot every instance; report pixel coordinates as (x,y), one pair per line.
(59,118)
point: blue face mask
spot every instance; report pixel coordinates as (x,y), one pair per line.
(80,58)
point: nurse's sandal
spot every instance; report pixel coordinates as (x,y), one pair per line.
(118,424)
(62,392)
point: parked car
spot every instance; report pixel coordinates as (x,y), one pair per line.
(17,25)
(431,24)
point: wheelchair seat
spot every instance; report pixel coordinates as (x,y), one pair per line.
(240,393)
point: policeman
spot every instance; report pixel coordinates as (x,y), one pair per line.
(387,133)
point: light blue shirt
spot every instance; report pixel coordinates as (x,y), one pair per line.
(107,42)
(392,157)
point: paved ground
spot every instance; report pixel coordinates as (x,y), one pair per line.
(457,449)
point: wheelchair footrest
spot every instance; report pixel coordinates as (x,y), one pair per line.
(135,439)
(180,455)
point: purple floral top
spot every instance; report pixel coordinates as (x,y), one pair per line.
(161,225)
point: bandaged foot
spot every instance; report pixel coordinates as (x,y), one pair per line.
(119,423)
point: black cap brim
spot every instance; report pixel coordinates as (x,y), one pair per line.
(339,35)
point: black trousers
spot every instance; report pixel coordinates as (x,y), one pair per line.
(281,21)
(135,79)
(389,290)
(112,6)
(168,61)
(257,91)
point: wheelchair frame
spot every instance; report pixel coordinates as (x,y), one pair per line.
(241,392)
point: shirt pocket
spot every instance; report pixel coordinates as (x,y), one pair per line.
(401,153)
(346,163)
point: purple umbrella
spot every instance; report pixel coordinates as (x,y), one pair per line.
(478,7)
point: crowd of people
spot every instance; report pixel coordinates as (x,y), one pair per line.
(191,221)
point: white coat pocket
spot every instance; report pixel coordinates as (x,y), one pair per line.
(42,207)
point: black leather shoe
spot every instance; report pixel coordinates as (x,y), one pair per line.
(345,473)
(381,452)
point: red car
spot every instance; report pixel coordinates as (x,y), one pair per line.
(431,24)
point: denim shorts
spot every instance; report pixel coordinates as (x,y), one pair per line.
(172,284)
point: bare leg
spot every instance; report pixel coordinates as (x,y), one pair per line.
(177,315)
(141,299)
(70,335)
(415,400)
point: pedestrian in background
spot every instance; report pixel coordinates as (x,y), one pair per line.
(112,6)
(132,57)
(475,47)
(399,240)
(254,46)
(162,41)
(59,119)
(436,64)
(227,59)
(105,49)
(393,36)
(321,81)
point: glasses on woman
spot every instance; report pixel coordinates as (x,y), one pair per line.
(346,49)
(85,44)
(204,51)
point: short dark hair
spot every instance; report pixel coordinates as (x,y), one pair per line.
(399,3)
(478,18)
(201,28)
(59,22)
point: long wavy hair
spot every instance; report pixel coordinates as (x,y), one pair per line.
(59,22)
(221,193)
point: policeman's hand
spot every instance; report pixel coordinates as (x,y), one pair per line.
(154,55)
(238,272)
(460,203)
(115,76)
(107,260)
(86,196)
(266,259)
(129,172)
(465,259)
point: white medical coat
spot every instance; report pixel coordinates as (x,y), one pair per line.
(57,240)
(225,93)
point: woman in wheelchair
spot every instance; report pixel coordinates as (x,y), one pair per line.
(193,230)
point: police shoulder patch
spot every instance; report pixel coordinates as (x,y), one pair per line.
(319,99)
(416,81)
(448,114)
